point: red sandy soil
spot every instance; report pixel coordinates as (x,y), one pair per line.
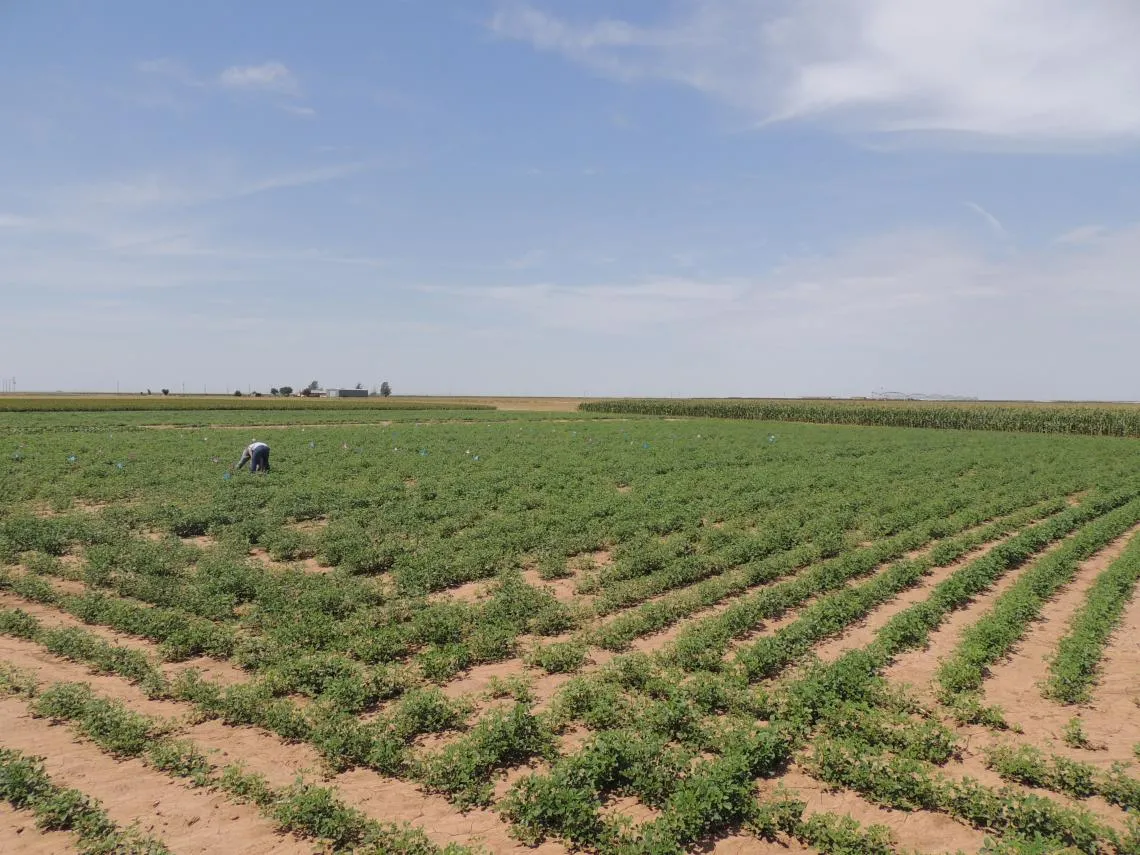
(19,835)
(189,821)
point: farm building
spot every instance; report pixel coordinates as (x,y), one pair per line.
(347,393)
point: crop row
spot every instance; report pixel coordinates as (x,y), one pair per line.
(708,638)
(834,694)
(702,645)
(901,782)
(1073,669)
(995,633)
(1025,764)
(303,809)
(1100,421)
(774,551)
(26,786)
(463,770)
(846,696)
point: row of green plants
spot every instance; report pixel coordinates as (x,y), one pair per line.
(463,770)
(1025,764)
(296,619)
(803,533)
(845,696)
(706,637)
(1039,418)
(702,645)
(993,635)
(826,692)
(1076,662)
(1094,503)
(180,635)
(26,785)
(910,784)
(303,809)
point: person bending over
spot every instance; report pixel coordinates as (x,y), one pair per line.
(257,453)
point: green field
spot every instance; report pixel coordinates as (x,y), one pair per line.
(586,630)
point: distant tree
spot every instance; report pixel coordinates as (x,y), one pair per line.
(385,389)
(274,391)
(257,394)
(286,391)
(359,385)
(166,391)
(314,386)
(237,393)
(148,391)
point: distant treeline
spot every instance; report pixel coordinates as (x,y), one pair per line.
(107,403)
(1093,419)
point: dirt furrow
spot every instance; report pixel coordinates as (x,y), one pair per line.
(972,763)
(188,821)
(19,835)
(1112,718)
(49,668)
(920,830)
(399,801)
(864,632)
(746,844)
(917,667)
(1014,683)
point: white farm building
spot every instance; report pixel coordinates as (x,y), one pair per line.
(347,393)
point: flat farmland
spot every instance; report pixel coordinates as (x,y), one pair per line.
(510,631)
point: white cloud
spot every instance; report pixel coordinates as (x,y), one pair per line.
(301,112)
(14,221)
(922,311)
(267,77)
(1025,71)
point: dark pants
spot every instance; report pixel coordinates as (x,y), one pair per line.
(260,460)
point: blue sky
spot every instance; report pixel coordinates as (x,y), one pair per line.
(659,197)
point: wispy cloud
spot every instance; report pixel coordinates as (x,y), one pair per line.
(1082,234)
(897,284)
(993,222)
(267,77)
(1021,71)
(157,190)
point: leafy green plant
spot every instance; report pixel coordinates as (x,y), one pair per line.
(563,657)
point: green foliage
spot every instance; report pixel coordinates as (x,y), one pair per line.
(108,723)
(900,782)
(422,526)
(1074,734)
(1045,418)
(564,657)
(463,769)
